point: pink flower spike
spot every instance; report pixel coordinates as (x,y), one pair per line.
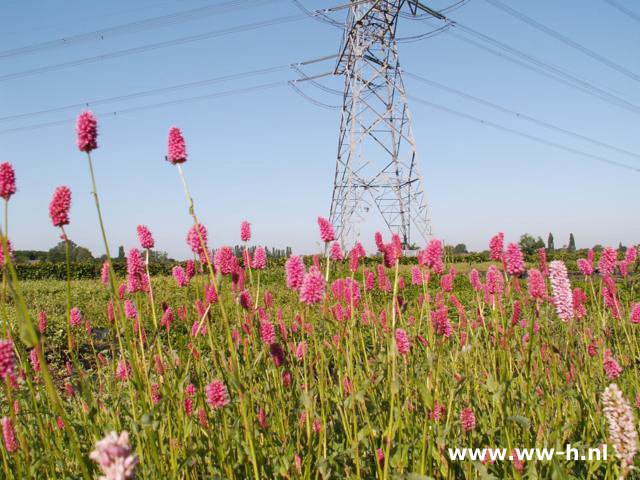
(144,235)
(86,132)
(59,206)
(514,259)
(245,231)
(177,150)
(217,396)
(562,295)
(336,253)
(402,342)
(259,259)
(326,230)
(179,275)
(635,313)
(7,358)
(312,288)
(496,247)
(295,270)
(7,181)
(9,435)
(467,419)
(76,317)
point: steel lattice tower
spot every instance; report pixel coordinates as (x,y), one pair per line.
(377,162)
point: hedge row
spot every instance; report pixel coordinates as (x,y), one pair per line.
(88,270)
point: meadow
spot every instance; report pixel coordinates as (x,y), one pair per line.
(233,368)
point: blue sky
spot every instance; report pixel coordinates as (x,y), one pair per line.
(269,156)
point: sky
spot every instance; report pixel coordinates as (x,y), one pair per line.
(268,155)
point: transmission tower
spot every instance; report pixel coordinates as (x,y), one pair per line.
(377,164)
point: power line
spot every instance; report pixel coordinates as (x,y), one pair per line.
(566,40)
(549,70)
(523,134)
(623,9)
(519,115)
(153,46)
(237,91)
(171,88)
(134,27)
(533,63)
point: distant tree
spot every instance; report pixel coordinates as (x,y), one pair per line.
(121,254)
(621,248)
(76,253)
(572,243)
(460,248)
(550,246)
(530,245)
(598,248)
(157,256)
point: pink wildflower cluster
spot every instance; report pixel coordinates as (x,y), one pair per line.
(176,150)
(561,288)
(432,256)
(86,132)
(496,247)
(59,206)
(145,237)
(114,456)
(326,230)
(312,287)
(217,396)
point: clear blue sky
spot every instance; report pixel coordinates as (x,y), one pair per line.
(269,156)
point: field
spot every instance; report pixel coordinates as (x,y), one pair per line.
(351,364)
(314,392)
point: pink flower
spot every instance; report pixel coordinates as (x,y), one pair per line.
(390,255)
(76,317)
(518,465)
(42,321)
(193,239)
(607,262)
(295,270)
(301,350)
(262,419)
(542,261)
(217,396)
(535,284)
(177,150)
(167,318)
(135,272)
(579,299)
(245,231)
(179,275)
(9,435)
(416,276)
(369,280)
(86,132)
(199,328)
(259,259)
(210,295)
(495,283)
(611,366)
(326,230)
(114,456)
(7,181)
(496,246)
(104,273)
(467,419)
(123,371)
(474,278)
(635,313)
(267,332)
(446,282)
(432,256)
(59,206)
(379,242)
(514,259)
(245,300)
(312,288)
(190,269)
(130,310)
(224,260)
(155,394)
(561,288)
(144,235)
(35,361)
(402,342)
(336,253)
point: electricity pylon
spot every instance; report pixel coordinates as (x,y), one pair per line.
(377,164)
